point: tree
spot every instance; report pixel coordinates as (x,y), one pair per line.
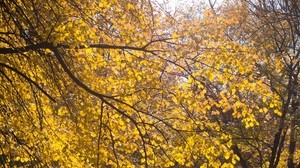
(282,21)
(272,29)
(47,57)
(125,83)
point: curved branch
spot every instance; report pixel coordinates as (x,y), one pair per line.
(72,76)
(47,45)
(100,96)
(28,79)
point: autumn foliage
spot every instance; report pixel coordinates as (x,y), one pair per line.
(133,84)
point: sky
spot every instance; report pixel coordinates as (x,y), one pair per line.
(172,5)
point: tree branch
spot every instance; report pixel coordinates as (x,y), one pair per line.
(237,151)
(28,79)
(47,45)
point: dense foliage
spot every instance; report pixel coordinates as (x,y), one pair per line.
(133,84)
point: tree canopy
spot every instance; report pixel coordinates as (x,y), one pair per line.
(132,84)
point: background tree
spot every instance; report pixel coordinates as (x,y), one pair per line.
(272,29)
